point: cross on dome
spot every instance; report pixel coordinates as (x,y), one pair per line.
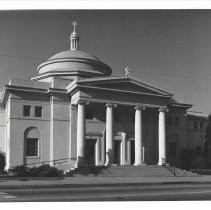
(74,23)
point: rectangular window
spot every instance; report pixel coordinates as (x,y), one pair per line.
(38,111)
(26,110)
(31,147)
(176,121)
(172,149)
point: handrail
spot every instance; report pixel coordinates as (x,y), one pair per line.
(171,168)
(176,171)
(48,161)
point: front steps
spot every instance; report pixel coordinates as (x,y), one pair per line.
(123,171)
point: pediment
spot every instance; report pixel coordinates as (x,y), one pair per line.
(126,84)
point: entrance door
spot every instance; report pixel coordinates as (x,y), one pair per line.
(132,152)
(117,145)
(90,151)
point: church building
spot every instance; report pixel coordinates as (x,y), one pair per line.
(75,110)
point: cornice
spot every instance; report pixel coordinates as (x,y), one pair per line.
(122,79)
(122,91)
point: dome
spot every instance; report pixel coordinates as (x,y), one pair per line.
(73,62)
(73,54)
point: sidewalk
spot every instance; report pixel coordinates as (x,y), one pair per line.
(24,183)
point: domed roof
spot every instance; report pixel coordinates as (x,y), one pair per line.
(73,54)
(73,62)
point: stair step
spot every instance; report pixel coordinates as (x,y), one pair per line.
(123,171)
(127,171)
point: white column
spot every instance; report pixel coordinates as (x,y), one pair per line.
(138,136)
(162,136)
(129,151)
(123,153)
(81,130)
(97,154)
(109,135)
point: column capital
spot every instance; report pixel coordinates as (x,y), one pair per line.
(82,103)
(163,109)
(137,107)
(111,105)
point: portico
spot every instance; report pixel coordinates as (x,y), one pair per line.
(117,148)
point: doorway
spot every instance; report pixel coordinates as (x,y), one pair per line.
(90,151)
(132,152)
(117,149)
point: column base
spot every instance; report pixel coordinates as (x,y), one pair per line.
(110,164)
(162,162)
(139,164)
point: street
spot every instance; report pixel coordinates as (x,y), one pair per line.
(157,192)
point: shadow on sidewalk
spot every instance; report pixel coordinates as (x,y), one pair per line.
(25,179)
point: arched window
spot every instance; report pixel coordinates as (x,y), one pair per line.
(31,142)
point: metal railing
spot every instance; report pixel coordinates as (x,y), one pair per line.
(173,169)
(176,171)
(54,162)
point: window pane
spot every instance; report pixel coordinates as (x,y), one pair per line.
(38,111)
(26,110)
(31,147)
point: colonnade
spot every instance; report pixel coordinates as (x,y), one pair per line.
(81,134)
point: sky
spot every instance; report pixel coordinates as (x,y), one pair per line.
(170,49)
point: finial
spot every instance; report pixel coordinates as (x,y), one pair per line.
(127,71)
(74,23)
(74,38)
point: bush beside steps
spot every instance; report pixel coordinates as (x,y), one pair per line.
(40,171)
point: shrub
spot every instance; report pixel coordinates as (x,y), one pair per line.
(41,171)
(34,171)
(49,171)
(2,161)
(53,172)
(20,170)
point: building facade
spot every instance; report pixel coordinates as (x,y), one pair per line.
(74,109)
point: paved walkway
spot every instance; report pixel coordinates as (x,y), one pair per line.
(8,183)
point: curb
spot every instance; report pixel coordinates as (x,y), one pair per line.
(48,186)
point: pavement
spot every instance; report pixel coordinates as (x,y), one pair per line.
(90,181)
